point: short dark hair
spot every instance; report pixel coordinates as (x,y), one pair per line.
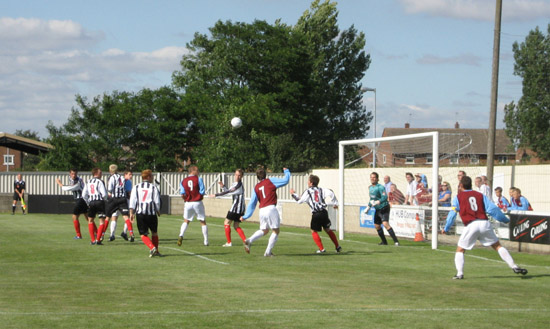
(375,173)
(73,170)
(409,174)
(466,182)
(314,180)
(260,173)
(95,171)
(498,188)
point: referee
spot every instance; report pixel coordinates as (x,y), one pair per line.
(18,194)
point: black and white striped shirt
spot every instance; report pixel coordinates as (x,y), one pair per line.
(94,190)
(237,192)
(315,198)
(145,199)
(115,186)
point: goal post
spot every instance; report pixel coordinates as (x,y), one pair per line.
(375,144)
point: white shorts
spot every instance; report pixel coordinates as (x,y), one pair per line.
(481,230)
(269,218)
(190,209)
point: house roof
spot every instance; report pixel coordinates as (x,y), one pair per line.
(23,144)
(451,140)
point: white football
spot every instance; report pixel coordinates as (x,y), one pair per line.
(236,122)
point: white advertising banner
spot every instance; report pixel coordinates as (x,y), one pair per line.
(403,221)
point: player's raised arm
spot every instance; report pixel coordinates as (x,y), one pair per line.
(451,216)
(279,182)
(251,205)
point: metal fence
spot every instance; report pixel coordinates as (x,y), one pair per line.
(43,183)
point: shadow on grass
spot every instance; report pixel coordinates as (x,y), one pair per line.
(523,277)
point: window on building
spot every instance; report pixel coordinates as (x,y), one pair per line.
(383,158)
(502,159)
(9,159)
(453,159)
(429,158)
(474,159)
(409,160)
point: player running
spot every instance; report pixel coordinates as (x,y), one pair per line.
(315,196)
(473,207)
(237,207)
(265,192)
(145,202)
(76,186)
(95,194)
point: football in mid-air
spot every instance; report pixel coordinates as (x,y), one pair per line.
(236,122)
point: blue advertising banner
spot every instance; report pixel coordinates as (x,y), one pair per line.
(366,218)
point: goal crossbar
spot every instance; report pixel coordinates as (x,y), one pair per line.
(435,173)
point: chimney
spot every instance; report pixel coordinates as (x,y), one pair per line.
(457,125)
(407,125)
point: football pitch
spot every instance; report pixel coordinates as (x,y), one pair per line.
(49,280)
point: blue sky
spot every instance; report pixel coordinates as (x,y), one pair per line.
(431,59)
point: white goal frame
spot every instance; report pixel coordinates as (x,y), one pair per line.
(435,173)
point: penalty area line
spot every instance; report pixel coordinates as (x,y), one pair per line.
(196,255)
(268,311)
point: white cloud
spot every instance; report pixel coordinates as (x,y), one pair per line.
(482,10)
(44,64)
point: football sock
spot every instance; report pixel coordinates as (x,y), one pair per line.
(317,240)
(147,242)
(91,230)
(100,231)
(183,229)
(125,229)
(113,227)
(505,255)
(105,226)
(258,234)
(333,238)
(227,229)
(382,237)
(129,226)
(95,228)
(155,239)
(76,224)
(272,240)
(459,263)
(205,233)
(13,209)
(392,234)
(241,233)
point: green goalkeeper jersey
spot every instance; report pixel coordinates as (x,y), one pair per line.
(378,193)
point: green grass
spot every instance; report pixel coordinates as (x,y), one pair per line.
(49,280)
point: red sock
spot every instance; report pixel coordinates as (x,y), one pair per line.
(155,240)
(227,229)
(100,232)
(147,242)
(130,228)
(333,238)
(95,229)
(105,226)
(76,224)
(91,230)
(317,240)
(241,233)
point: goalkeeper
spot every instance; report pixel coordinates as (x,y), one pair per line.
(379,200)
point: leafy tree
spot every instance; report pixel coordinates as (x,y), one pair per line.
(528,121)
(144,130)
(296,88)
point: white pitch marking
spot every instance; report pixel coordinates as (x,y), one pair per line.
(199,256)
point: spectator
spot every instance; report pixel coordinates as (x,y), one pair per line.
(486,189)
(387,184)
(410,198)
(500,200)
(395,197)
(461,173)
(519,202)
(445,195)
(423,196)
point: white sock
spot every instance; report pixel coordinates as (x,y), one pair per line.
(183,229)
(113,227)
(459,263)
(125,228)
(205,233)
(258,234)
(505,255)
(272,240)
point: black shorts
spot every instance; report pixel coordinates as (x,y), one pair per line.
(80,207)
(16,196)
(112,206)
(146,223)
(382,215)
(234,216)
(319,220)
(96,208)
